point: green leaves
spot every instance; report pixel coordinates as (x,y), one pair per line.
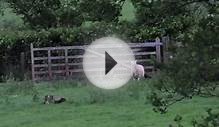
(101,10)
(66,13)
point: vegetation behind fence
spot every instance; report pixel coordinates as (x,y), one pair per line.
(53,62)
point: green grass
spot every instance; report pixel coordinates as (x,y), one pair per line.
(125,107)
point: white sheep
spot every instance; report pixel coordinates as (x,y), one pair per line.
(138,70)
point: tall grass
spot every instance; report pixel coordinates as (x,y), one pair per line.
(77,93)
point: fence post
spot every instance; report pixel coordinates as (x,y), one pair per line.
(66,63)
(165,41)
(22,64)
(49,64)
(158,53)
(32,62)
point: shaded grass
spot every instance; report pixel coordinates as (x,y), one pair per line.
(93,107)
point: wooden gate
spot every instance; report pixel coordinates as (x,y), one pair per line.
(50,63)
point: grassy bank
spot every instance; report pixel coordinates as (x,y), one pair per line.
(21,105)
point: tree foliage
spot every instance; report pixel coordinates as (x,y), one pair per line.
(101,10)
(66,13)
(171,17)
(37,12)
(193,70)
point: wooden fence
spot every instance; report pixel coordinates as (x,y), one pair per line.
(50,63)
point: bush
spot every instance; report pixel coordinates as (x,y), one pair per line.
(211,120)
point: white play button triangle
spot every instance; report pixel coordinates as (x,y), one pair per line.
(109,63)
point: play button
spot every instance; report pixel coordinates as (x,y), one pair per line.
(107,63)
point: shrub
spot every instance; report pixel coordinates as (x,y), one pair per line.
(211,120)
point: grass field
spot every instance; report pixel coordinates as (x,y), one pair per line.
(90,106)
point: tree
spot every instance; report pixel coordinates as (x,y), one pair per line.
(37,12)
(66,13)
(193,27)
(2,3)
(101,10)
(172,17)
